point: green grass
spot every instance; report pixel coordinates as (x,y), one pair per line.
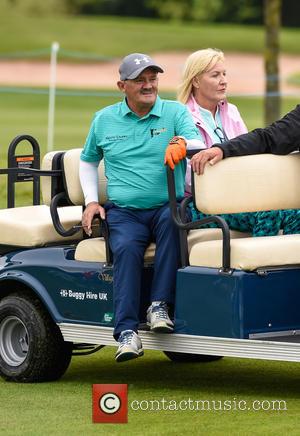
(294,79)
(64,407)
(102,35)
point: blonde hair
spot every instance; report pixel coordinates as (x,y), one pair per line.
(197,63)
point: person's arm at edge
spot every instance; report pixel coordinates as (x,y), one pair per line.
(281,137)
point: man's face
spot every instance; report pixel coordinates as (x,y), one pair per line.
(141,92)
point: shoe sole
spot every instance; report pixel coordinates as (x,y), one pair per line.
(128,355)
(161,327)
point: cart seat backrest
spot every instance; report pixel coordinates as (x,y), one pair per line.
(71,178)
(248,184)
(70,165)
(47,183)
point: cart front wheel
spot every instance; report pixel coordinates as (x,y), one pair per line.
(32,348)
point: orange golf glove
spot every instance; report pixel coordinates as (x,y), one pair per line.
(175,152)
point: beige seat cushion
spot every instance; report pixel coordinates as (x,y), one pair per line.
(249,253)
(31,226)
(93,250)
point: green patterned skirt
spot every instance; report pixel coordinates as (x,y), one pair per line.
(267,223)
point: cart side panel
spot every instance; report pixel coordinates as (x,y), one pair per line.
(237,305)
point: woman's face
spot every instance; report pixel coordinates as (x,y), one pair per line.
(210,87)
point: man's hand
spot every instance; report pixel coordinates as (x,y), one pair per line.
(91,210)
(175,152)
(211,155)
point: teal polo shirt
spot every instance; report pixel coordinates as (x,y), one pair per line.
(133,149)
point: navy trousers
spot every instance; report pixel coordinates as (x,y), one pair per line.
(131,231)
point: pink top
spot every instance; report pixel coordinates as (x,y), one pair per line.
(232,124)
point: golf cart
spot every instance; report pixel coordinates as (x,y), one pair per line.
(236,295)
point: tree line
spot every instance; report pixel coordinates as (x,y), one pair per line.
(218,11)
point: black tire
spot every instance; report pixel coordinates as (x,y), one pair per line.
(32,348)
(186,357)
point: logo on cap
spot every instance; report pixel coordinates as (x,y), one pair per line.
(138,61)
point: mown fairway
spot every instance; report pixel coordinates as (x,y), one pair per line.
(65,407)
(110,36)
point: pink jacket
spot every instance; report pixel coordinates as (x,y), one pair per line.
(232,123)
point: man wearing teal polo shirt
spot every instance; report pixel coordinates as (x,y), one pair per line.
(135,138)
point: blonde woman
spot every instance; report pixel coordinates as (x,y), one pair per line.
(203,90)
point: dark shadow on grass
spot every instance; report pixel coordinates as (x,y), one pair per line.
(156,372)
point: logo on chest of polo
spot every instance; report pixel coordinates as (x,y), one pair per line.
(116,137)
(156,132)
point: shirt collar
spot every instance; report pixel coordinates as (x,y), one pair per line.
(194,107)
(207,114)
(155,111)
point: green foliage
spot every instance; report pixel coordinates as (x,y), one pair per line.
(172,9)
(239,11)
(231,11)
(291,13)
(35,7)
(134,8)
(124,8)
(206,11)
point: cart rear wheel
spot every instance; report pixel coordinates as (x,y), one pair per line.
(186,357)
(32,348)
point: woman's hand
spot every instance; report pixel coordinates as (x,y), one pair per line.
(211,155)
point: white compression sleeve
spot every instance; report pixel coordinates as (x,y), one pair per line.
(192,144)
(88,175)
